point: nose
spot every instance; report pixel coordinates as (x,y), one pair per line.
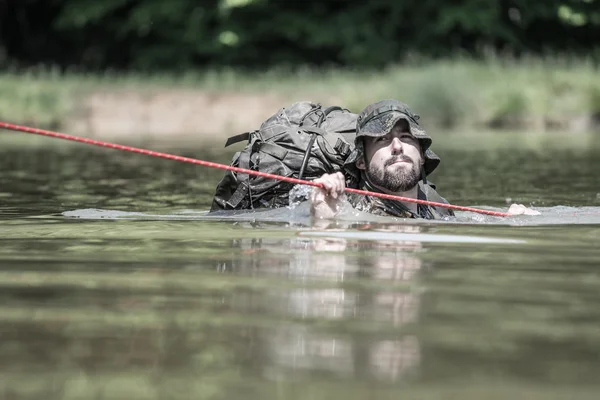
(397,146)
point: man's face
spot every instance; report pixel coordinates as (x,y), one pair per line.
(393,162)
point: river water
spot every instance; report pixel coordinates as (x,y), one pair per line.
(116,285)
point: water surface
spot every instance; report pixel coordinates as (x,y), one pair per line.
(115,285)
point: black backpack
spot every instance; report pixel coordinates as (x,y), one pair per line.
(302,141)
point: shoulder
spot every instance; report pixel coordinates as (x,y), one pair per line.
(431,194)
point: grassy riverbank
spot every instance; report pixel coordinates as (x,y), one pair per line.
(535,94)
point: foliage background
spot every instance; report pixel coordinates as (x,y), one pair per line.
(178,35)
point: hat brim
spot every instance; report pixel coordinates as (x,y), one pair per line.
(383,124)
(431,162)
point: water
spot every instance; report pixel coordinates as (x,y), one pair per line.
(116,285)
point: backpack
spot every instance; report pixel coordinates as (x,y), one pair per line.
(302,141)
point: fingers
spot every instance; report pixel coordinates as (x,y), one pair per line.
(327,185)
(332,184)
(325,199)
(520,209)
(340,183)
(515,209)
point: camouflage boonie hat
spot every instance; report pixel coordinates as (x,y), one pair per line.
(379,118)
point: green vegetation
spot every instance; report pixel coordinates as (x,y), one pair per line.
(178,35)
(460,94)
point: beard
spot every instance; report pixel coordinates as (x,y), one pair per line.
(400,179)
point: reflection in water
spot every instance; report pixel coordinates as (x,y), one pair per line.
(332,265)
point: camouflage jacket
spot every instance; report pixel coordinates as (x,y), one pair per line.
(385,207)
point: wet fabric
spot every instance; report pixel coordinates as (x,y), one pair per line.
(385,207)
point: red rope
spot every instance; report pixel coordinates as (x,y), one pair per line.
(151,153)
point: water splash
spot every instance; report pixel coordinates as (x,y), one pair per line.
(298,213)
(298,195)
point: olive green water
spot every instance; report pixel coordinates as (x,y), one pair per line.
(169,308)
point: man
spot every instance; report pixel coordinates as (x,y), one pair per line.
(392,156)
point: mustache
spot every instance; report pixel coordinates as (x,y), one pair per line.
(398,159)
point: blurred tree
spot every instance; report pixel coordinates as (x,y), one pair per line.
(178,35)
(143,34)
(26,30)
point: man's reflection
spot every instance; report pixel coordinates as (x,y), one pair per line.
(348,309)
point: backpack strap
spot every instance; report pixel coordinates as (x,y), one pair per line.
(237,138)
(307,154)
(315,110)
(330,109)
(274,150)
(238,195)
(314,131)
(243,187)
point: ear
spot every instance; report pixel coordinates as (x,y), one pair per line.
(360,163)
